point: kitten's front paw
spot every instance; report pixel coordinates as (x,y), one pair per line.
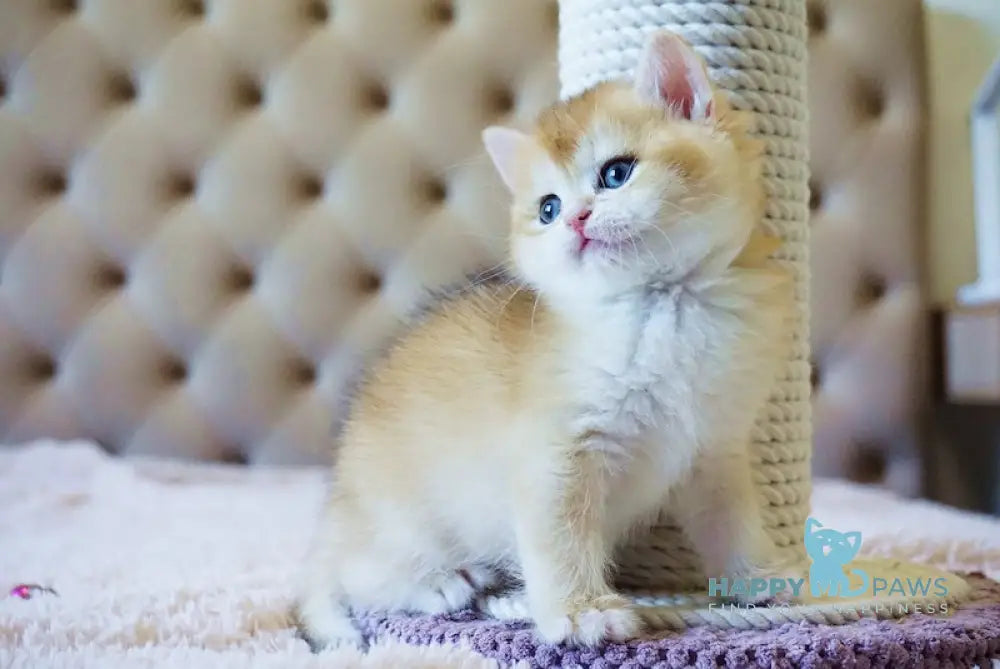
(605,618)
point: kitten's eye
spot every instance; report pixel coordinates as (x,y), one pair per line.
(616,172)
(549,209)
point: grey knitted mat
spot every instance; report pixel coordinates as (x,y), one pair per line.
(968,637)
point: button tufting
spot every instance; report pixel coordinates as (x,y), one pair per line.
(234,457)
(816,16)
(871,289)
(63,6)
(442,11)
(311,187)
(369,282)
(552,15)
(815,376)
(173,370)
(435,190)
(249,93)
(872,98)
(815,196)
(303,372)
(180,185)
(110,276)
(41,367)
(376,97)
(51,183)
(501,100)
(868,464)
(317,11)
(240,278)
(3,89)
(192,7)
(121,88)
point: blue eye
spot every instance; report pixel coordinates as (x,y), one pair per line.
(616,172)
(549,209)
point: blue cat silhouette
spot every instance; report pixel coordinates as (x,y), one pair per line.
(830,550)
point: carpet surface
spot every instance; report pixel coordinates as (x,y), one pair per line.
(163,564)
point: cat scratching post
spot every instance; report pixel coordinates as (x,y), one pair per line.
(756,52)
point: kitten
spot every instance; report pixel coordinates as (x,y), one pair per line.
(527,430)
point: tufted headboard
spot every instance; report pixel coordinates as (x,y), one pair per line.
(212,211)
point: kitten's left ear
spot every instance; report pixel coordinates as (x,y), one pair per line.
(672,74)
(504,145)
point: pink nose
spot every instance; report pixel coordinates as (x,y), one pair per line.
(580,220)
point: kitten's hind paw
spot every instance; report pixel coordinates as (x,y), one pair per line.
(508,606)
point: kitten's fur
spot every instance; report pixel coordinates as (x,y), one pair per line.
(529,429)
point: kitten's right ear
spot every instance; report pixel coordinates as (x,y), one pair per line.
(812,525)
(504,145)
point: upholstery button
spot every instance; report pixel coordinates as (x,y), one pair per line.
(435,190)
(234,457)
(63,6)
(110,276)
(369,282)
(871,289)
(303,372)
(181,185)
(192,7)
(3,89)
(317,11)
(376,97)
(815,378)
(249,93)
(868,464)
(311,187)
(173,370)
(51,183)
(41,367)
(816,16)
(552,15)
(442,11)
(121,88)
(815,196)
(872,99)
(501,100)
(240,279)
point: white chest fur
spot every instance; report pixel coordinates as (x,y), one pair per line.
(668,374)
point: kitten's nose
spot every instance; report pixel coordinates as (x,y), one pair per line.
(577,222)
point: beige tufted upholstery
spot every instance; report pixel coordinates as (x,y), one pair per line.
(211,211)
(868,315)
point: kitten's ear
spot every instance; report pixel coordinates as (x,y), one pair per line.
(504,145)
(672,74)
(811,525)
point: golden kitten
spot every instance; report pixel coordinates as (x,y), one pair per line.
(528,429)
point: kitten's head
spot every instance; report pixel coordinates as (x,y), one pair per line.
(629,183)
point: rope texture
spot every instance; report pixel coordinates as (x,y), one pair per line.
(756,52)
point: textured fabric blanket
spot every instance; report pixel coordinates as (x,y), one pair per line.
(167,564)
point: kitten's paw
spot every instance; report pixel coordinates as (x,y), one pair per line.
(327,630)
(510,606)
(605,618)
(444,593)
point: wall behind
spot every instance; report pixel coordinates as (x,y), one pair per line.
(963,39)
